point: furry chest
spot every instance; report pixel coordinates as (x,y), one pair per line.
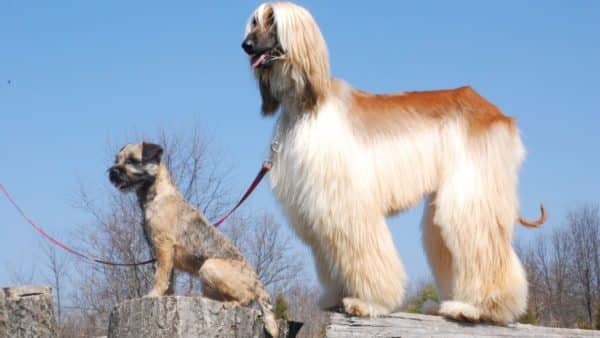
(314,168)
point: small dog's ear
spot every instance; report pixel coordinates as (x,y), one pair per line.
(269,103)
(151,152)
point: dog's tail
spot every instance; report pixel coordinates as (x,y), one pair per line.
(268,317)
(536,223)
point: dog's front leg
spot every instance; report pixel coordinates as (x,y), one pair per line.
(164,268)
(171,290)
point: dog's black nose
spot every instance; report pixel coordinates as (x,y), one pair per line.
(248,45)
(113,174)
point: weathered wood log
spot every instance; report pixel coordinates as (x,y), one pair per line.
(407,325)
(179,317)
(26,311)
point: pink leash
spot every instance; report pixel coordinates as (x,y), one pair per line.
(263,171)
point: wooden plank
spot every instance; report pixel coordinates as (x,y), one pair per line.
(416,325)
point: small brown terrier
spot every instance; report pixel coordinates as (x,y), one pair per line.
(182,237)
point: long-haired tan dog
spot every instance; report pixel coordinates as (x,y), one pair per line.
(182,237)
(345,159)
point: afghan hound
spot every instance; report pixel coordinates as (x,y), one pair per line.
(344,159)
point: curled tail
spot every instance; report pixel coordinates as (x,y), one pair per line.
(536,223)
(268,316)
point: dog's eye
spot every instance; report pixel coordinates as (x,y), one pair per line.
(131,160)
(253,21)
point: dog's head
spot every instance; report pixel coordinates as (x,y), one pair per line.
(261,42)
(136,165)
(288,55)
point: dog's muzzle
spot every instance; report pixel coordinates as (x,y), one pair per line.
(259,56)
(248,45)
(114,175)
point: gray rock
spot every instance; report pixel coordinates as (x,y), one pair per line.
(179,317)
(3,316)
(15,292)
(26,311)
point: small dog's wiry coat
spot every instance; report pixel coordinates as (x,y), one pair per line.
(182,237)
(347,159)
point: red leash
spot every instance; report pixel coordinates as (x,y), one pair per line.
(263,171)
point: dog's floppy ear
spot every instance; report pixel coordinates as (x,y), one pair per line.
(151,152)
(269,103)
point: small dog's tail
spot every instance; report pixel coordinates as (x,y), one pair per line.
(268,317)
(536,223)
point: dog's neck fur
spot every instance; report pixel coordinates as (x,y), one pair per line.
(161,186)
(292,88)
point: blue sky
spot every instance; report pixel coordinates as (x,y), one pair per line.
(85,74)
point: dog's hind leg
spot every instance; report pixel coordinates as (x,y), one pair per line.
(229,280)
(209,292)
(235,281)
(476,220)
(438,255)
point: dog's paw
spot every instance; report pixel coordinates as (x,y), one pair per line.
(356,307)
(360,308)
(153,294)
(459,311)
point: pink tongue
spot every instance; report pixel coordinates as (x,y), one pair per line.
(260,60)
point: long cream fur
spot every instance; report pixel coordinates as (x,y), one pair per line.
(347,159)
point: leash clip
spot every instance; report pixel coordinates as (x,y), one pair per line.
(275,147)
(267,164)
